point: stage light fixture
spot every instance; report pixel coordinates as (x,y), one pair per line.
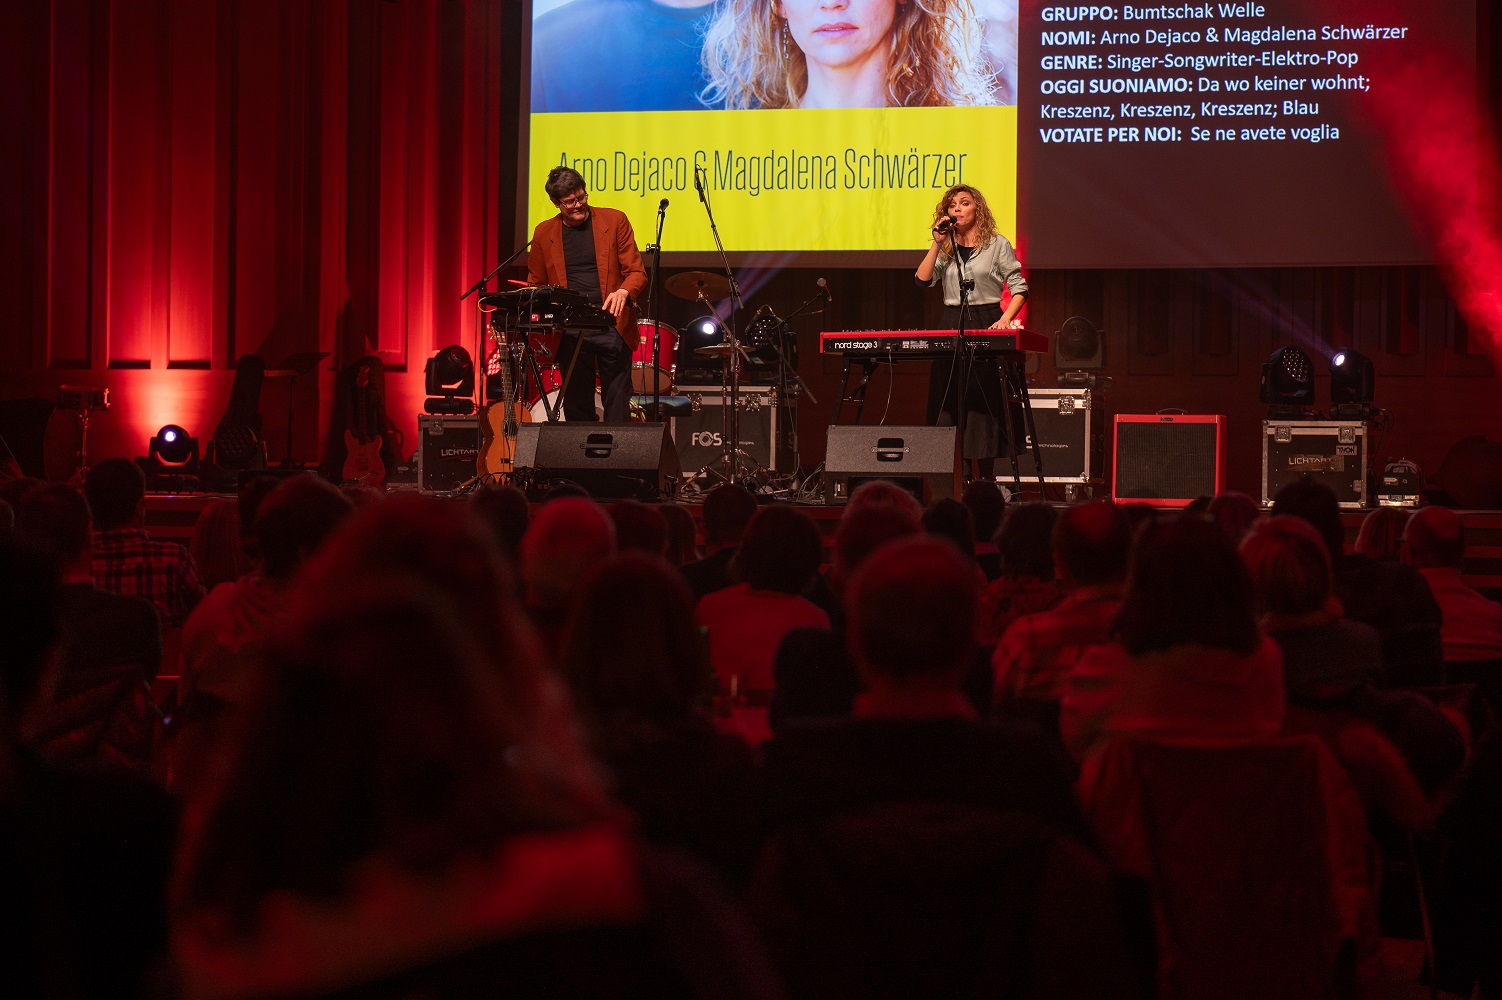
(1079,346)
(450,380)
(1287,383)
(1353,384)
(174,449)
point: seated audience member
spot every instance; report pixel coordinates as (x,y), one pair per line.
(222,637)
(408,811)
(1026,584)
(747,622)
(100,711)
(1091,543)
(1470,625)
(1380,538)
(126,560)
(1290,572)
(1392,598)
(815,676)
(84,854)
(1235,513)
(644,688)
(917,851)
(568,540)
(683,546)
(639,527)
(987,505)
(1188,665)
(215,544)
(1329,668)
(505,510)
(727,510)
(948,518)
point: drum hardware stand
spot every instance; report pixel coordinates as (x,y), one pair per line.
(731,457)
(654,250)
(733,465)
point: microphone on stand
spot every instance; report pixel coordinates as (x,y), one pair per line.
(698,183)
(824,286)
(662,206)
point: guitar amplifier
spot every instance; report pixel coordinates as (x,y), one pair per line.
(1168,459)
(448,451)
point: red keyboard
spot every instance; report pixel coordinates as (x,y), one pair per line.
(901,345)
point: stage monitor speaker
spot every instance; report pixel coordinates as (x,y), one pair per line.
(921,460)
(611,461)
(1168,459)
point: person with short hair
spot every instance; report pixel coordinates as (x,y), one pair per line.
(727,510)
(1189,665)
(223,635)
(591,251)
(987,505)
(126,560)
(1391,597)
(566,542)
(1091,545)
(778,555)
(1026,584)
(895,827)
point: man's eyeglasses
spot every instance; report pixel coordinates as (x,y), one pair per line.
(574,200)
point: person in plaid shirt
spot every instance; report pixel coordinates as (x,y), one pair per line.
(126,560)
(1091,543)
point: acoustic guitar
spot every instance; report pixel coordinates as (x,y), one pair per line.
(498,424)
(362,441)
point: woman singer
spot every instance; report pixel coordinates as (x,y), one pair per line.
(967,245)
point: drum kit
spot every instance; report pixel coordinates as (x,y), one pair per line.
(527,336)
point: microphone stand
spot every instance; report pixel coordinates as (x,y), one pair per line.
(734,443)
(961,361)
(476,289)
(655,251)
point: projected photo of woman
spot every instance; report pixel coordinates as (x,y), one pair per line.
(847,54)
(966,244)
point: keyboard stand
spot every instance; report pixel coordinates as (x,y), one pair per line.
(1014,381)
(858,395)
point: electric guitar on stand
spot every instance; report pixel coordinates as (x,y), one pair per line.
(362,440)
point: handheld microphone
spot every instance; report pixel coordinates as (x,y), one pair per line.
(698,183)
(943,224)
(824,287)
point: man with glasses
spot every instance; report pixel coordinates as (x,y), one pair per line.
(591,251)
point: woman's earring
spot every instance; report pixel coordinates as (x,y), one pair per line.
(786,54)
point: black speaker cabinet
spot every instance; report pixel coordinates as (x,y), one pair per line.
(1168,459)
(921,460)
(612,461)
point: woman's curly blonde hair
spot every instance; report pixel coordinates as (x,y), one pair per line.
(936,57)
(985,222)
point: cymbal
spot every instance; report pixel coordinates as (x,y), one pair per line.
(689,284)
(716,350)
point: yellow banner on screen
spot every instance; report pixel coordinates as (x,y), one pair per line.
(784,179)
